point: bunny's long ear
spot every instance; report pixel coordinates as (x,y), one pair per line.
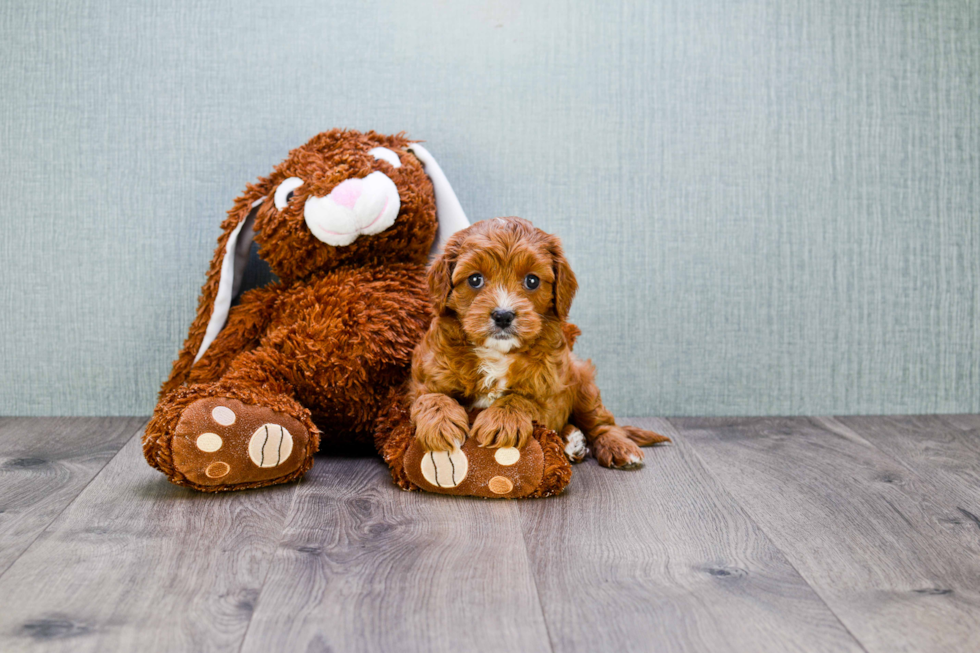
(448,209)
(230,281)
(223,282)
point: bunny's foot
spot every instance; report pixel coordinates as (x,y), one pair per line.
(539,469)
(221,442)
(205,439)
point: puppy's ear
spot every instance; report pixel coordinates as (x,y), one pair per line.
(441,273)
(565,285)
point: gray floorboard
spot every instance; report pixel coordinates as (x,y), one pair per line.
(878,541)
(44,463)
(138,564)
(770,534)
(943,448)
(365,566)
(663,558)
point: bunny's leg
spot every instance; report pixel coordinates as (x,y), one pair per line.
(245,430)
(539,469)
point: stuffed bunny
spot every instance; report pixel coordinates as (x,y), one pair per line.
(347,223)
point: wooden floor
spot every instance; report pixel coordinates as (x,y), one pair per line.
(770,534)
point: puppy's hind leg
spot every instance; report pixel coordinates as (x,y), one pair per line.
(576,448)
(613,445)
(613,448)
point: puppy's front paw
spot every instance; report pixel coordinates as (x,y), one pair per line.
(440,422)
(499,427)
(618,452)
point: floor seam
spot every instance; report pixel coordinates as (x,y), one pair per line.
(533,577)
(751,518)
(272,559)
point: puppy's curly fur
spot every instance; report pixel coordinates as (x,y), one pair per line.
(499,341)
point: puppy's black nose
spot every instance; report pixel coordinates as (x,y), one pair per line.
(502,317)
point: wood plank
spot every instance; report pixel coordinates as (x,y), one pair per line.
(44,463)
(364,566)
(138,564)
(943,448)
(969,423)
(879,542)
(664,559)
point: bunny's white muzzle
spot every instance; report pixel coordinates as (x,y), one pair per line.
(354,207)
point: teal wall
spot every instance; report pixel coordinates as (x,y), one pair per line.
(773,206)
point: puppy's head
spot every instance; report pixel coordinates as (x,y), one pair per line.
(504,280)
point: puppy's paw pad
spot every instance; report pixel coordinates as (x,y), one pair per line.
(618,453)
(631,462)
(445,469)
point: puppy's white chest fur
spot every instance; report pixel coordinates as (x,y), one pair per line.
(494,365)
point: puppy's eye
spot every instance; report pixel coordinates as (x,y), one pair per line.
(531,282)
(475,281)
(384,154)
(286,191)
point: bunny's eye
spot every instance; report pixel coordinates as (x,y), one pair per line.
(286,191)
(384,154)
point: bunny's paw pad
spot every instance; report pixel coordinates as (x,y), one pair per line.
(222,442)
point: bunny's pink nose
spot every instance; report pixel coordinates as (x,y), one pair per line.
(347,192)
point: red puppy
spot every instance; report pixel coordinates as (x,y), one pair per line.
(502,291)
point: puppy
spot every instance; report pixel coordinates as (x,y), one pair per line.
(499,342)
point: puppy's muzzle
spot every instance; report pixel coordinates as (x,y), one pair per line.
(502,318)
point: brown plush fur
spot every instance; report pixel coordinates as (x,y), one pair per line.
(326,343)
(522,374)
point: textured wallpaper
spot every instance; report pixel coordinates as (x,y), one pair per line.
(772,206)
